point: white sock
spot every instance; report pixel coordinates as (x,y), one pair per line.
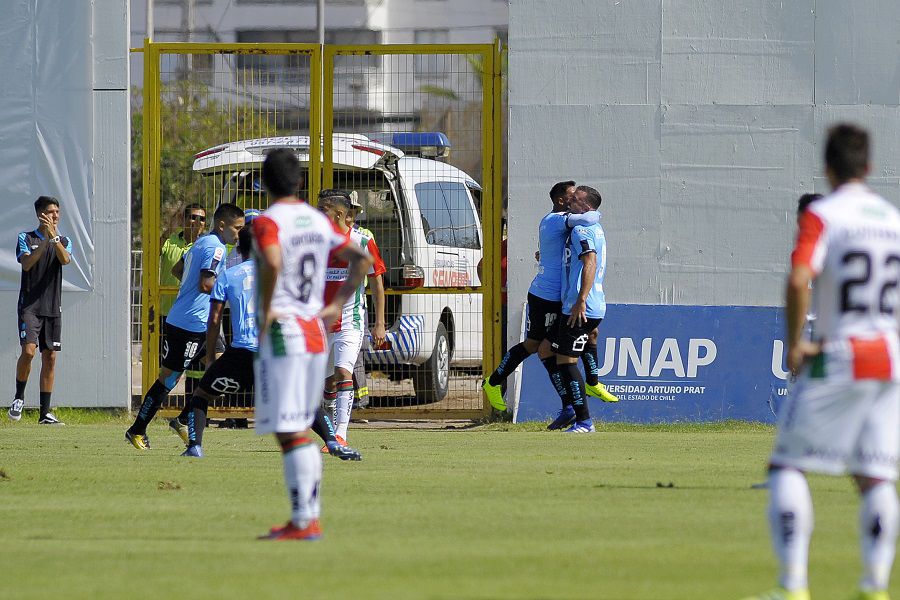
(302,476)
(878,516)
(791,525)
(344,406)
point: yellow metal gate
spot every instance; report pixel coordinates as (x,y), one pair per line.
(413,131)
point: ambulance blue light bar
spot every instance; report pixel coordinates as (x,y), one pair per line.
(428,144)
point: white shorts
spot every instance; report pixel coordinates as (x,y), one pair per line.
(345,348)
(838,427)
(288,391)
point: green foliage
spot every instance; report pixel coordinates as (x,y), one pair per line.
(191,121)
(631,515)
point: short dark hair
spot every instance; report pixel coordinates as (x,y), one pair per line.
(331,196)
(559,189)
(593,196)
(228,212)
(282,174)
(43,202)
(805,200)
(245,241)
(847,151)
(191,207)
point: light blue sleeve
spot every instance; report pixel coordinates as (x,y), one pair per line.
(219,290)
(583,240)
(212,258)
(69,245)
(22,248)
(591,217)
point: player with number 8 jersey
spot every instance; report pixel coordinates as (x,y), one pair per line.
(306,238)
(293,244)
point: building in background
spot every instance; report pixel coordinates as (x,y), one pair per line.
(368,89)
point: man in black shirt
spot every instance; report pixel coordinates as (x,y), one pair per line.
(42,253)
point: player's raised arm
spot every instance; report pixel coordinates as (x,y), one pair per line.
(591,217)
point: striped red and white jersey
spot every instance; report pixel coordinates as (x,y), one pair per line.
(851,241)
(353,316)
(306,239)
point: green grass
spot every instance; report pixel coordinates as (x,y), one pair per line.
(503,511)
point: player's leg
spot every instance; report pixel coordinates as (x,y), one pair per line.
(343,384)
(323,427)
(566,414)
(359,383)
(180,349)
(540,318)
(817,430)
(790,516)
(875,471)
(23,370)
(345,349)
(49,344)
(569,344)
(591,363)
(48,375)
(192,376)
(29,330)
(290,387)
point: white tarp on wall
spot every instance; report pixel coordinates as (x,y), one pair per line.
(64,132)
(46,128)
(701,123)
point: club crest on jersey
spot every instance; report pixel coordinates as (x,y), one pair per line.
(303,221)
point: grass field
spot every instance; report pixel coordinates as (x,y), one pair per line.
(498,512)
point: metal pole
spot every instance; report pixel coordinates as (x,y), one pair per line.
(150,19)
(320,21)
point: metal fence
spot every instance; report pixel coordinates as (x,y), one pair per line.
(413,130)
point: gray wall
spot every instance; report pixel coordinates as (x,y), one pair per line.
(701,122)
(86,165)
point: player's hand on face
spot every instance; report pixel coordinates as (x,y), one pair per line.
(46,224)
(800,353)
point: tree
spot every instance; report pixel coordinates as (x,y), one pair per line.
(190,122)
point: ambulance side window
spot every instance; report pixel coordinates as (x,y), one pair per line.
(447,215)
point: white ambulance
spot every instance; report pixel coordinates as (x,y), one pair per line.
(424,215)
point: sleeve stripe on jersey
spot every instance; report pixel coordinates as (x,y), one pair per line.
(378,267)
(809,237)
(265,232)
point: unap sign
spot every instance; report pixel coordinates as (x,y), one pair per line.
(678,363)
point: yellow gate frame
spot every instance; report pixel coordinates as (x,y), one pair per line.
(320,164)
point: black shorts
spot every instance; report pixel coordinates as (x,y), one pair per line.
(180,347)
(570,341)
(232,373)
(542,318)
(45,332)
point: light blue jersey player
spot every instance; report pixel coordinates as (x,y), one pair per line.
(552,235)
(583,240)
(545,293)
(583,307)
(191,308)
(232,372)
(185,326)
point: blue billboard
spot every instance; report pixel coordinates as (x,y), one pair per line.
(678,364)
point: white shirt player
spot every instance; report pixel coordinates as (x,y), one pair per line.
(306,238)
(851,241)
(353,315)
